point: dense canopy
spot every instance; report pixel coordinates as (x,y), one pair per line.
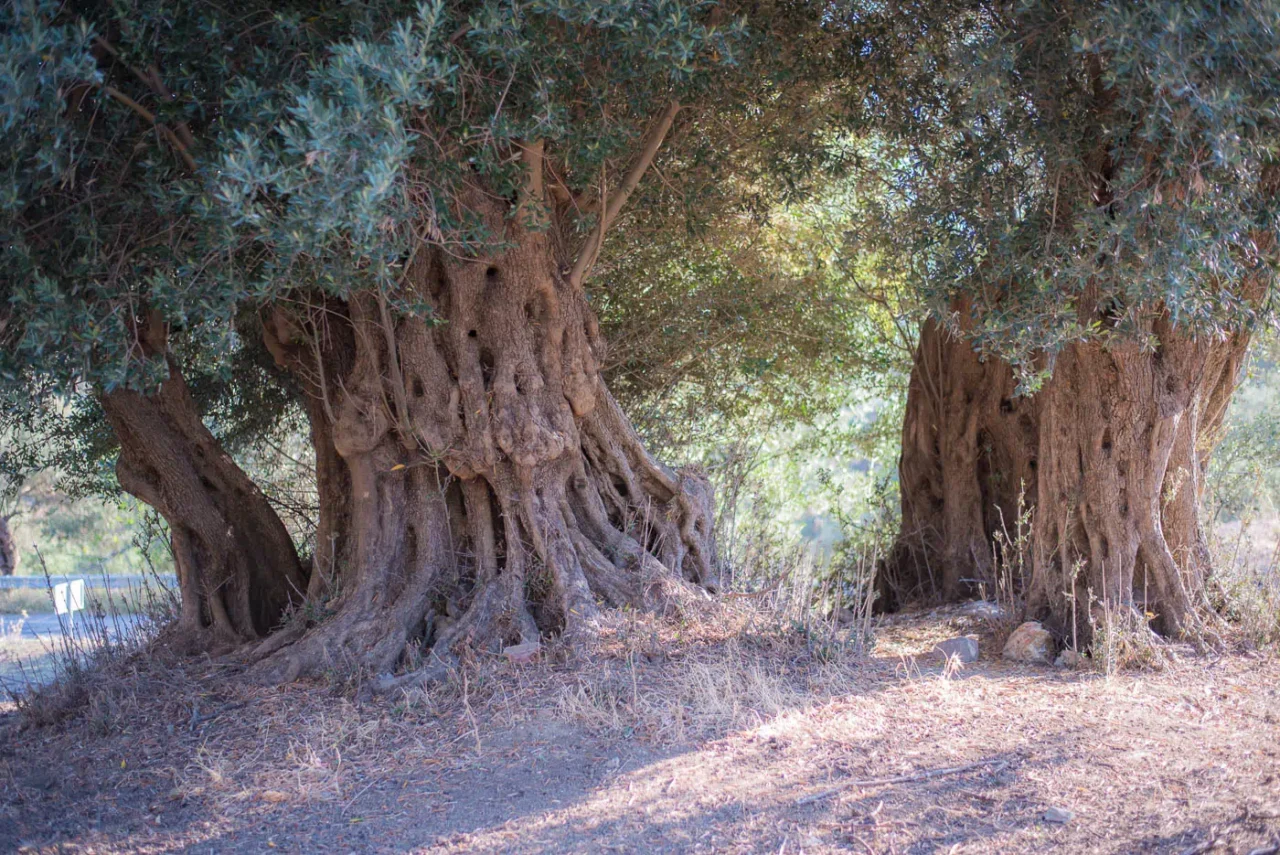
(466,247)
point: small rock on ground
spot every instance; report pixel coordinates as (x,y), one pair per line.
(1058,814)
(521,654)
(1030,642)
(965,648)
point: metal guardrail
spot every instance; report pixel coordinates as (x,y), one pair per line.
(92,580)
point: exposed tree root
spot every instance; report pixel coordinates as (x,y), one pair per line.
(480,486)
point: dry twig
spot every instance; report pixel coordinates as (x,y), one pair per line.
(901,779)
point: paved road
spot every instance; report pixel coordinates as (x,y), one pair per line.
(47,625)
(92,580)
(32,657)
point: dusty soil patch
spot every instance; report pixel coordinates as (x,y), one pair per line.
(744,741)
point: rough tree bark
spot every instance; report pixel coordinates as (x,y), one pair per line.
(1125,442)
(480,486)
(8,549)
(969,448)
(238,571)
(1111,452)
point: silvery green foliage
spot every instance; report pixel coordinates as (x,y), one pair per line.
(330,142)
(1027,156)
(340,176)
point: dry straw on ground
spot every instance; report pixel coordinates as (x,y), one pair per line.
(731,733)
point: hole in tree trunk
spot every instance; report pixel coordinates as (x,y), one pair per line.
(486,366)
(411,542)
(491,273)
(542,604)
(471,333)
(418,389)
(1106,442)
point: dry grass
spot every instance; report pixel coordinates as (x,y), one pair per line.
(738,668)
(85,672)
(1245,589)
(15,601)
(733,732)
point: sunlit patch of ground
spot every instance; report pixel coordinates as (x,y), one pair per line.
(719,736)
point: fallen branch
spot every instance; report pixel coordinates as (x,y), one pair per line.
(996,766)
(197,719)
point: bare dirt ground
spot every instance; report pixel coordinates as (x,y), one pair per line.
(745,739)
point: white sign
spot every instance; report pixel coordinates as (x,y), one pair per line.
(68,597)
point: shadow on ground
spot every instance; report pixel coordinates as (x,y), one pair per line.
(817,757)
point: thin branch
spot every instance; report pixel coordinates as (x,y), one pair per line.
(996,766)
(151,118)
(653,142)
(154,82)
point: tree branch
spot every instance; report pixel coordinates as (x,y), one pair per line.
(653,142)
(151,117)
(531,154)
(155,83)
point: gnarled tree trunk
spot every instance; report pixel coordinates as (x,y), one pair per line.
(1126,436)
(480,486)
(1111,453)
(969,448)
(238,571)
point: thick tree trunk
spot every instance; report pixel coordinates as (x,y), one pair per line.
(238,571)
(8,549)
(1111,454)
(968,455)
(479,484)
(1125,442)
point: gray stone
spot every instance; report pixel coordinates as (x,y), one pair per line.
(964,648)
(1058,814)
(1030,642)
(521,654)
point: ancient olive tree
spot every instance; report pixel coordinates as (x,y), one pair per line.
(401,205)
(100,283)
(1084,195)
